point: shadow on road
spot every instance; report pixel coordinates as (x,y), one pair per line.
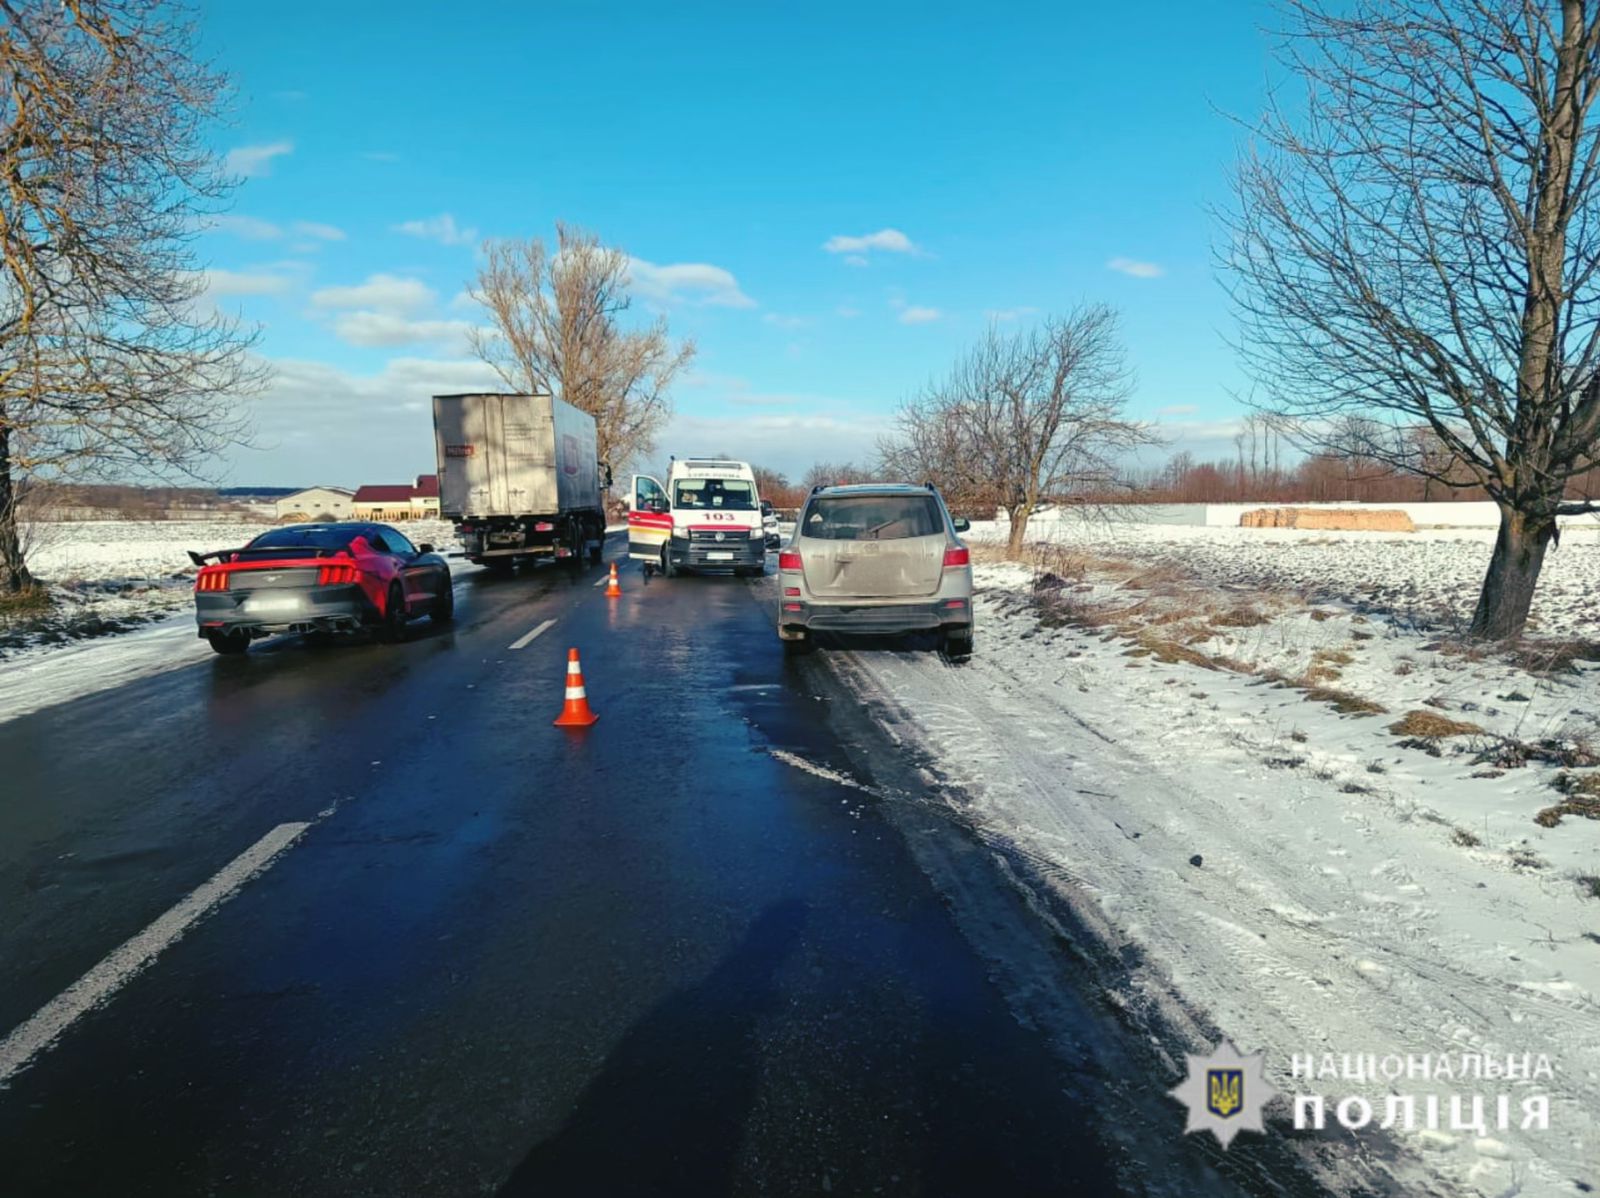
(666,1111)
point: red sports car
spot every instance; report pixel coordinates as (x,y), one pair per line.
(319,578)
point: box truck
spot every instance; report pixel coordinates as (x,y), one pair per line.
(519,478)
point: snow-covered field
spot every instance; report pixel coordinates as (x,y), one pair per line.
(1193,731)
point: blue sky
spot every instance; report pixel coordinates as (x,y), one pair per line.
(832,200)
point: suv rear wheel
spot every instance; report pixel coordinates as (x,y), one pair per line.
(956,645)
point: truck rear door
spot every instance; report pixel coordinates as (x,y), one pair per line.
(649,519)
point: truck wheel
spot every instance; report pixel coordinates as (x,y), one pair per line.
(597,551)
(668,570)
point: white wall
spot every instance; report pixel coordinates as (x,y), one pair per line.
(1478,514)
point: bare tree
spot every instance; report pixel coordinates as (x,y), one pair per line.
(557,327)
(1024,419)
(109,360)
(829,474)
(1415,242)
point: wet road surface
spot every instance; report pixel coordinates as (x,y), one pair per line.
(647,958)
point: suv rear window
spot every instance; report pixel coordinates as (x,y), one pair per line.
(873,518)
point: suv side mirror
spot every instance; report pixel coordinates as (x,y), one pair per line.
(961,524)
(424,548)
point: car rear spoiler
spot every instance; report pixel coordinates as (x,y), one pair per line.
(311,552)
(216,555)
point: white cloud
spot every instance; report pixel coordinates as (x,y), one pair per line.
(1005,315)
(220,283)
(441,228)
(916,315)
(1139,270)
(251,161)
(390,295)
(848,312)
(787,441)
(1178,409)
(780,321)
(249,227)
(318,423)
(890,241)
(368,329)
(697,283)
(317,230)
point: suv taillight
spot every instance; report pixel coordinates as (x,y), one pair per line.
(331,576)
(956,557)
(788,560)
(211,580)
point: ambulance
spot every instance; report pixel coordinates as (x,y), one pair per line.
(707,517)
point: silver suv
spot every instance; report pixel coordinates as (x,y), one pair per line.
(875,558)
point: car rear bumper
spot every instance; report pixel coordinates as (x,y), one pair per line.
(324,609)
(882,618)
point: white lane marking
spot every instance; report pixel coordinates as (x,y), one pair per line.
(603,579)
(528,637)
(98,985)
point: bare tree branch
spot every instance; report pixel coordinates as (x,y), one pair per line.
(557,327)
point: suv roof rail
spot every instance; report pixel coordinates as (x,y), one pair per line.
(930,486)
(818,487)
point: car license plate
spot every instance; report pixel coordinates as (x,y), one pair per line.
(719,557)
(264,605)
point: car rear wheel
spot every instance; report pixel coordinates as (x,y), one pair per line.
(228,643)
(393,627)
(444,606)
(668,570)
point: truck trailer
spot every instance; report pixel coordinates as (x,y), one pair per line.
(519,478)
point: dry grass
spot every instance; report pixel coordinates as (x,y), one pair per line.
(1238,617)
(1344,702)
(1431,726)
(1582,793)
(26,604)
(1466,839)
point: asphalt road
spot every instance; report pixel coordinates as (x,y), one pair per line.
(646,958)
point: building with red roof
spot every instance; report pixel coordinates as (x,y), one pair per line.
(384,501)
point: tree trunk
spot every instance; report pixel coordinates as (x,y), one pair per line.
(14,574)
(1019,527)
(1513,572)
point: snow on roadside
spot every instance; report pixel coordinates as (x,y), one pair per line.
(1309,879)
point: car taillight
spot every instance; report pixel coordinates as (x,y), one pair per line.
(956,557)
(788,560)
(794,591)
(332,576)
(211,580)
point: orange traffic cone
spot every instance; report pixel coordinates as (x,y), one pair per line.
(575,713)
(613,588)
